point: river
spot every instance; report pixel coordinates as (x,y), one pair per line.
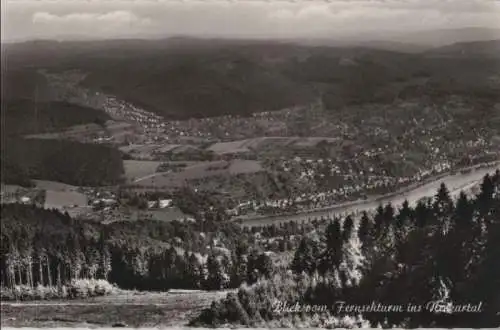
(455,183)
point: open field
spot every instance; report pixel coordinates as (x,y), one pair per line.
(64,199)
(135,169)
(149,151)
(131,308)
(77,131)
(140,150)
(167,147)
(111,131)
(166,214)
(200,171)
(256,144)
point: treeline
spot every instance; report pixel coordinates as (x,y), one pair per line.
(47,248)
(441,251)
(65,161)
(162,268)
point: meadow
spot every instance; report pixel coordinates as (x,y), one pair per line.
(135,309)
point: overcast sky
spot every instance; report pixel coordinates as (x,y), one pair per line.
(29,19)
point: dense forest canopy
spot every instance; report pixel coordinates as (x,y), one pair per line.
(27,109)
(49,248)
(441,251)
(58,160)
(25,116)
(183,78)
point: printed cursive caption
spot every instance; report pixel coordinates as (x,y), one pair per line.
(437,307)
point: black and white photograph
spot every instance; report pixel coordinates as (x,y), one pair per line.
(250,164)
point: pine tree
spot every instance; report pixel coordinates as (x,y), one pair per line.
(252,271)
(333,235)
(403,222)
(333,253)
(26,257)
(462,216)
(239,271)
(421,214)
(404,215)
(388,216)
(378,226)
(365,229)
(15,258)
(485,199)
(488,277)
(351,266)
(265,265)
(40,255)
(452,255)
(443,208)
(169,257)
(216,278)
(347,228)
(302,258)
(105,261)
(193,272)
(11,265)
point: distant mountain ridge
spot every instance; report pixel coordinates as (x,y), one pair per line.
(410,42)
(469,49)
(444,37)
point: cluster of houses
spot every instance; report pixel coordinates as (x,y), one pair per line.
(128,112)
(351,186)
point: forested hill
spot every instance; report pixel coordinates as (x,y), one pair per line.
(429,262)
(27,109)
(184,78)
(59,160)
(25,116)
(47,248)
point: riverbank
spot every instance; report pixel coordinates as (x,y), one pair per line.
(456,180)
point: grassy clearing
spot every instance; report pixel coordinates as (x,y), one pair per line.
(135,169)
(221,148)
(64,199)
(264,143)
(199,171)
(131,308)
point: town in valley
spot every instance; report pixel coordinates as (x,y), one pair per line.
(198,181)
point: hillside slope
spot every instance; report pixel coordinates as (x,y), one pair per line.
(24,116)
(56,160)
